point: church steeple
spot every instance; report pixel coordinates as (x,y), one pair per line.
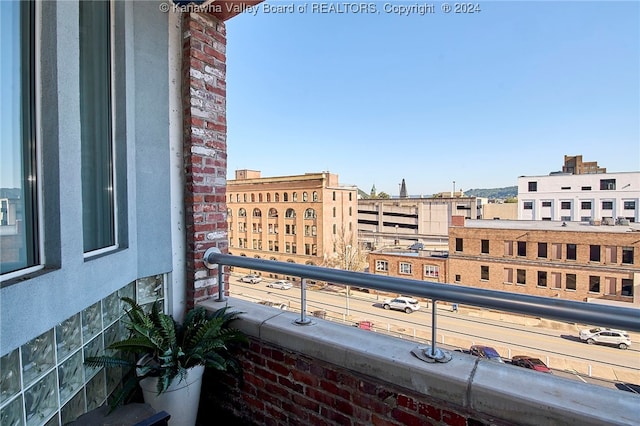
(403,190)
(373,191)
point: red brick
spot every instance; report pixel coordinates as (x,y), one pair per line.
(453,419)
(406,402)
(408,419)
(429,411)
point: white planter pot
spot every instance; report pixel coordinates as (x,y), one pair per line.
(180,400)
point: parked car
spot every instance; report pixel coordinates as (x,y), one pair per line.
(280,284)
(253,279)
(407,304)
(530,363)
(606,336)
(485,352)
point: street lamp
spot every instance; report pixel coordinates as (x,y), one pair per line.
(397,242)
(347,264)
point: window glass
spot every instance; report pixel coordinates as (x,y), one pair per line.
(98,201)
(19,247)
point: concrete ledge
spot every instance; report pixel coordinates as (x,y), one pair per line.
(501,391)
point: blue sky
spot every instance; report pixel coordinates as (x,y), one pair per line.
(479,99)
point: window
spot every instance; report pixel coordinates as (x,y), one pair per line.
(565,188)
(585,218)
(268,197)
(594,253)
(315,196)
(594,284)
(276,197)
(607,205)
(528,205)
(508,248)
(334,212)
(285,197)
(290,213)
(565,205)
(459,244)
(565,218)
(242,212)
(585,205)
(273,212)
(257,213)
(546,204)
(556,280)
(405,268)
(542,278)
(542,250)
(431,271)
(350,196)
(334,195)
(350,211)
(627,287)
(556,251)
(586,188)
(547,218)
(522,248)
(96,137)
(607,184)
(307,249)
(570,281)
(294,196)
(484,273)
(260,197)
(304,196)
(533,186)
(571,252)
(253,198)
(309,214)
(314,230)
(629,205)
(521,276)
(382,266)
(244,197)
(627,255)
(458,278)
(484,246)
(335,229)
(508,275)
(18,215)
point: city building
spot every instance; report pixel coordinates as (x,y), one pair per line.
(568,260)
(406,221)
(492,211)
(297,218)
(600,197)
(574,165)
(427,265)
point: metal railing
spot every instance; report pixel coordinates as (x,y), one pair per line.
(545,307)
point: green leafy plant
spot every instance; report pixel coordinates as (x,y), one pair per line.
(157,346)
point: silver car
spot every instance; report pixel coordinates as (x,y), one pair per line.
(280,284)
(407,304)
(253,279)
(606,336)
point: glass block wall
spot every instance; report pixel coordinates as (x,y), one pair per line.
(45,381)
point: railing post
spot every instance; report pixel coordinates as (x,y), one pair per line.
(303,304)
(431,353)
(211,251)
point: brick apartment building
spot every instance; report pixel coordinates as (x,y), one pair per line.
(576,261)
(289,218)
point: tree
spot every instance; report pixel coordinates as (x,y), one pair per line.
(383,195)
(349,254)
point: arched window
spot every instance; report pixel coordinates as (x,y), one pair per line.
(229,213)
(285,197)
(253,198)
(272,258)
(315,196)
(257,213)
(268,197)
(308,262)
(290,213)
(295,197)
(309,214)
(273,212)
(304,196)
(231,198)
(260,197)
(291,261)
(276,198)
(244,197)
(242,213)
(256,257)
(237,198)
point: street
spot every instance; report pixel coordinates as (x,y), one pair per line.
(560,349)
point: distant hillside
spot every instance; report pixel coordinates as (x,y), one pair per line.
(507,192)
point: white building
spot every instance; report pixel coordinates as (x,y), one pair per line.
(603,197)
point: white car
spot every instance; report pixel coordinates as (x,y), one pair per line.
(253,279)
(606,336)
(280,284)
(407,304)
(279,305)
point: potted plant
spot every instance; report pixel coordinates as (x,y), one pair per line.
(168,359)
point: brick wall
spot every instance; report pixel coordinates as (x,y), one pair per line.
(204,148)
(283,387)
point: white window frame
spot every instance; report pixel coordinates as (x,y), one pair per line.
(405,268)
(382,265)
